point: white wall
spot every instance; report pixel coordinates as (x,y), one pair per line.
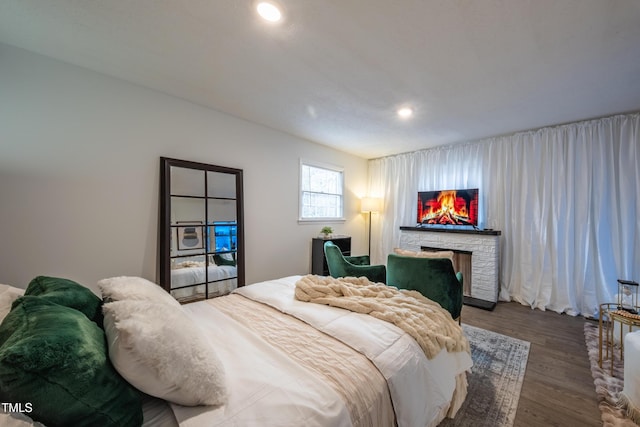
(79,175)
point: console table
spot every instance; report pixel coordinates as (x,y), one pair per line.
(482,245)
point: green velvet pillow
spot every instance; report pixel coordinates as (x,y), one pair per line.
(221,260)
(68,293)
(54,358)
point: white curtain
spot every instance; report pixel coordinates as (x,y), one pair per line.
(565,198)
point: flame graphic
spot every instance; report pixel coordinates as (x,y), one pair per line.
(446,209)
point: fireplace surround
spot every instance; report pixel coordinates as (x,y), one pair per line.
(484,247)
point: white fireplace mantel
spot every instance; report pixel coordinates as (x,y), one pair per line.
(484,246)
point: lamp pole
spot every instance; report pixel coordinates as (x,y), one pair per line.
(369,236)
(369,205)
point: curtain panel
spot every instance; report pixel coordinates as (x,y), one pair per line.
(565,198)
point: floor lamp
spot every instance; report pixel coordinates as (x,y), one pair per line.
(370,205)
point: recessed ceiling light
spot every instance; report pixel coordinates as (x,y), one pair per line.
(405,112)
(269,11)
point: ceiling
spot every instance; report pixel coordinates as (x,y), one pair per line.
(335,71)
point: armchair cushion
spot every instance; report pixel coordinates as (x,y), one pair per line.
(339,266)
(432,277)
(358,260)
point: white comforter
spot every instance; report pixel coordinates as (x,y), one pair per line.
(263,380)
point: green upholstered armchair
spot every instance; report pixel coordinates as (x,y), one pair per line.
(432,277)
(341,266)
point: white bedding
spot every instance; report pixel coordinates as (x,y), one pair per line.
(262,382)
(266,388)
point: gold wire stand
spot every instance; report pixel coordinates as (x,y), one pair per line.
(609,315)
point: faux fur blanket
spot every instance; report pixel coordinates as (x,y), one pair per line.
(424,320)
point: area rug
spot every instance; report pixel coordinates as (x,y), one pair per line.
(499,364)
(608,387)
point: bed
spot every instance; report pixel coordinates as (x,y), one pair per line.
(257,357)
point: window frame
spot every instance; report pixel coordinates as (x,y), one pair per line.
(325,166)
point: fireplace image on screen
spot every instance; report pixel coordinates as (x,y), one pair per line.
(448,207)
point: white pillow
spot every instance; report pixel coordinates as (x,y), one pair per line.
(8,294)
(425,254)
(134,288)
(227,256)
(162,352)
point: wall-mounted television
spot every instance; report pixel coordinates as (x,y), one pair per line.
(448,207)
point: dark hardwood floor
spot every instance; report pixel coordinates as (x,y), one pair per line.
(558,388)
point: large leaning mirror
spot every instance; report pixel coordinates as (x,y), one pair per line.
(201,229)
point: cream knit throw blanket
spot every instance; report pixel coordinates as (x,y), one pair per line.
(425,320)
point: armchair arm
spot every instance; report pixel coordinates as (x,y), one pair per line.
(339,266)
(459,295)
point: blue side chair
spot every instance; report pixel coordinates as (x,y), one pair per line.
(356,266)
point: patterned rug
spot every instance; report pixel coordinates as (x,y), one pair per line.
(608,387)
(499,364)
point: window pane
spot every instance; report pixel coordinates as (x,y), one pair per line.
(321,192)
(316,205)
(324,181)
(305,179)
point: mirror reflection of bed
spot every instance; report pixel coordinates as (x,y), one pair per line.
(195,277)
(222,279)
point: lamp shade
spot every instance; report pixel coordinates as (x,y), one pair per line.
(371,204)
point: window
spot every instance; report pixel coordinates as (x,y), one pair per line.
(321,192)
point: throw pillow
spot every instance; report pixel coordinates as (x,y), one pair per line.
(424,254)
(162,352)
(8,294)
(55,358)
(68,293)
(134,288)
(225,259)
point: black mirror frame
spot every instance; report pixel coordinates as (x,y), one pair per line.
(164,255)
